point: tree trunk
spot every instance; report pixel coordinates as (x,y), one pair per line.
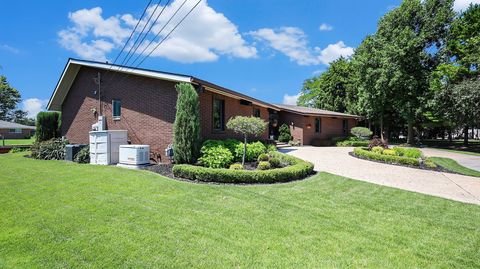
(410,133)
(381,127)
(450,137)
(244,149)
(465,136)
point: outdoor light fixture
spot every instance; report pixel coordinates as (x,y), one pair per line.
(309,126)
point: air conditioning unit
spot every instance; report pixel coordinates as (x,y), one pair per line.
(136,155)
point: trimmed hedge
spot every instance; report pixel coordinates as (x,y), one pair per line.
(297,169)
(360,152)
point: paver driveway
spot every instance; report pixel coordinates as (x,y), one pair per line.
(336,160)
(470,161)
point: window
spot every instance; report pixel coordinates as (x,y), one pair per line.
(318,125)
(256,112)
(15,131)
(218,115)
(116,109)
(345,126)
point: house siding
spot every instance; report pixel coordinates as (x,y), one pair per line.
(147,109)
(26,133)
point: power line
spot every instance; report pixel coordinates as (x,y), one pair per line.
(180,22)
(151,26)
(133,32)
(141,32)
(173,29)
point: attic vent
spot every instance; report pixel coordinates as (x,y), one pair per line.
(245,102)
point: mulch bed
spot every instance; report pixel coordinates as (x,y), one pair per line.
(164,169)
(437,169)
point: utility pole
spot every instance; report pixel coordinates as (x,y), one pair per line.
(98,81)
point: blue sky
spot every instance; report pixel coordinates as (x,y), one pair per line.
(265,49)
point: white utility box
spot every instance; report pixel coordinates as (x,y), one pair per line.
(104,146)
(134,154)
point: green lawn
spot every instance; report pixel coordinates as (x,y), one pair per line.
(64,215)
(454,166)
(10,142)
(460,151)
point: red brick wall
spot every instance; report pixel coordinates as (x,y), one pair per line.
(26,133)
(147,109)
(232,108)
(331,127)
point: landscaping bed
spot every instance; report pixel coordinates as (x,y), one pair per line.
(409,157)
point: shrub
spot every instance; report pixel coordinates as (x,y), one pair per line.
(284,133)
(48,126)
(377,149)
(274,162)
(297,169)
(377,142)
(186,128)
(231,144)
(390,152)
(361,132)
(294,143)
(216,156)
(254,149)
(83,156)
(352,142)
(271,147)
(19,149)
(53,149)
(236,166)
(363,153)
(429,163)
(263,166)
(247,126)
(262,157)
(408,152)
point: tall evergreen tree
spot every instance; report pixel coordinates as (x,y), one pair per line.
(9,98)
(186,128)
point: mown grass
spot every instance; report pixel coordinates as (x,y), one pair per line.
(55,214)
(454,166)
(12,142)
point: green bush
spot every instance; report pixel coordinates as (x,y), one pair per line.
(361,132)
(297,169)
(377,149)
(236,166)
(48,126)
(186,128)
(274,162)
(254,149)
(284,133)
(263,165)
(215,156)
(408,152)
(429,163)
(83,156)
(19,149)
(263,157)
(271,147)
(363,153)
(390,152)
(53,149)
(231,144)
(351,142)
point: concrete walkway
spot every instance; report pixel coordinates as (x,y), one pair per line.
(469,161)
(336,160)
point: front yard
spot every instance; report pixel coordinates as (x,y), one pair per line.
(13,142)
(55,214)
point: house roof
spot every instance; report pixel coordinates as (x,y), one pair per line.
(310,111)
(73,66)
(13,125)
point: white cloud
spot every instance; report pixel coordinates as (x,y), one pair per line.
(33,105)
(9,48)
(292,42)
(290,99)
(459,5)
(325,27)
(204,36)
(317,72)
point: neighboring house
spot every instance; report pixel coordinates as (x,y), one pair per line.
(143,102)
(12,130)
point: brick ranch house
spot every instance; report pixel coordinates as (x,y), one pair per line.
(143,103)
(11,130)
